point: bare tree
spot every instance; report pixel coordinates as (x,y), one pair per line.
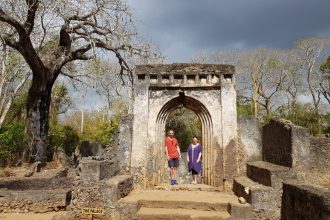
(325,83)
(252,64)
(13,77)
(50,34)
(309,55)
(293,85)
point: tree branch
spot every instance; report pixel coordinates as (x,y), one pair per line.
(29,23)
(12,22)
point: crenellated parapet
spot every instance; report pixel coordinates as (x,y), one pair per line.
(184,75)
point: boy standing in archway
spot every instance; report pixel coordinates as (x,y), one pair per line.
(173,155)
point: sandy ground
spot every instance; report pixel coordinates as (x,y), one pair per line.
(29,216)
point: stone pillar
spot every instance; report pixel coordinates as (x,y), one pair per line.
(229,129)
(125,144)
(140,128)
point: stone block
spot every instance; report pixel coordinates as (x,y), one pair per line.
(269,174)
(90,149)
(303,201)
(240,211)
(285,144)
(96,170)
(259,196)
(119,187)
(250,136)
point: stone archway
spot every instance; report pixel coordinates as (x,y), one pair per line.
(206,89)
(208,146)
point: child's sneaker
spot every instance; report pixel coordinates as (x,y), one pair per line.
(172,182)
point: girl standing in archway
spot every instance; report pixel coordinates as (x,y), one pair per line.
(194,157)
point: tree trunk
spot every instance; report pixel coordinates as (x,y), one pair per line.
(38,105)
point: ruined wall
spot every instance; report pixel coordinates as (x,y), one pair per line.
(319,172)
(301,201)
(285,144)
(125,144)
(47,191)
(250,143)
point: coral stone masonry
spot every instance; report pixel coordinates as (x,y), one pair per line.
(206,89)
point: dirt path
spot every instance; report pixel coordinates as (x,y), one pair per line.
(30,216)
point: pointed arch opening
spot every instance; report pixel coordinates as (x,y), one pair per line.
(160,168)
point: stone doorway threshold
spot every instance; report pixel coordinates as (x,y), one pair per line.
(187,187)
(186,201)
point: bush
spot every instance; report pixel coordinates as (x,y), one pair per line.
(101,131)
(303,115)
(62,136)
(13,142)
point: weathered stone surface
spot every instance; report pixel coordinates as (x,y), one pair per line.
(125,144)
(209,91)
(259,196)
(250,132)
(38,201)
(140,205)
(97,169)
(303,201)
(319,172)
(103,194)
(269,174)
(285,144)
(90,149)
(119,187)
(184,67)
(38,182)
(60,158)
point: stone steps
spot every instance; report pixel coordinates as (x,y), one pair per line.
(268,174)
(180,214)
(258,195)
(204,204)
(262,185)
(187,187)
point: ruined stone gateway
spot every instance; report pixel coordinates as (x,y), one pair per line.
(206,89)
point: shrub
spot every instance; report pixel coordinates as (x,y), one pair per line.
(62,136)
(13,142)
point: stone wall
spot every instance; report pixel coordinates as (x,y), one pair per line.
(125,144)
(249,132)
(302,201)
(285,144)
(98,186)
(319,172)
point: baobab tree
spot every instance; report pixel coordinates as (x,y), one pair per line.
(51,34)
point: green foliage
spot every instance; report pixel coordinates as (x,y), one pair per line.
(303,115)
(17,110)
(97,125)
(185,124)
(13,141)
(62,136)
(244,109)
(101,131)
(61,101)
(326,119)
(325,67)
